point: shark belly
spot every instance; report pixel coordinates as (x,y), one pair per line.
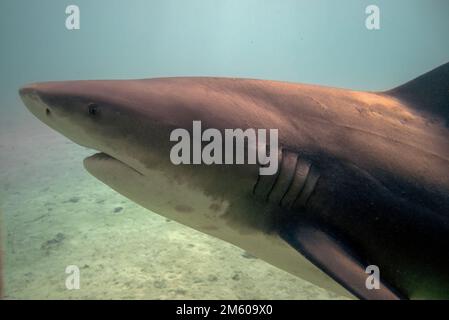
(208,215)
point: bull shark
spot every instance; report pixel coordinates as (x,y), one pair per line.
(362,178)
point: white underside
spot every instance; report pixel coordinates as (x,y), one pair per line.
(193,208)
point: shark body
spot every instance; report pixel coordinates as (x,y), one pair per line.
(363,177)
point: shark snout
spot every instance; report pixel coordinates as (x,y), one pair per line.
(29,92)
(31,96)
(29,89)
(35,90)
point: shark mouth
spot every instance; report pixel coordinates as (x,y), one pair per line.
(103,159)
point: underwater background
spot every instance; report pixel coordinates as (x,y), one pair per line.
(55,214)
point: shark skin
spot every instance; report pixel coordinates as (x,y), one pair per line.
(363,177)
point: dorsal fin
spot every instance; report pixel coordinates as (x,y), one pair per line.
(429,92)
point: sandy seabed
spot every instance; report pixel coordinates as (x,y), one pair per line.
(55,214)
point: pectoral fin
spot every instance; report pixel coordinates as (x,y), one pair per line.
(336,260)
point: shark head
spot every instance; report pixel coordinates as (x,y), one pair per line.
(113,117)
(129,123)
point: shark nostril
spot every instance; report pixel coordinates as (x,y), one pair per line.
(47,111)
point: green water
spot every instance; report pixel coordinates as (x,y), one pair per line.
(55,214)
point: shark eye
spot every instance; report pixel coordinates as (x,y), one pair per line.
(92,109)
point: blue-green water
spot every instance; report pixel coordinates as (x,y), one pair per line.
(55,214)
